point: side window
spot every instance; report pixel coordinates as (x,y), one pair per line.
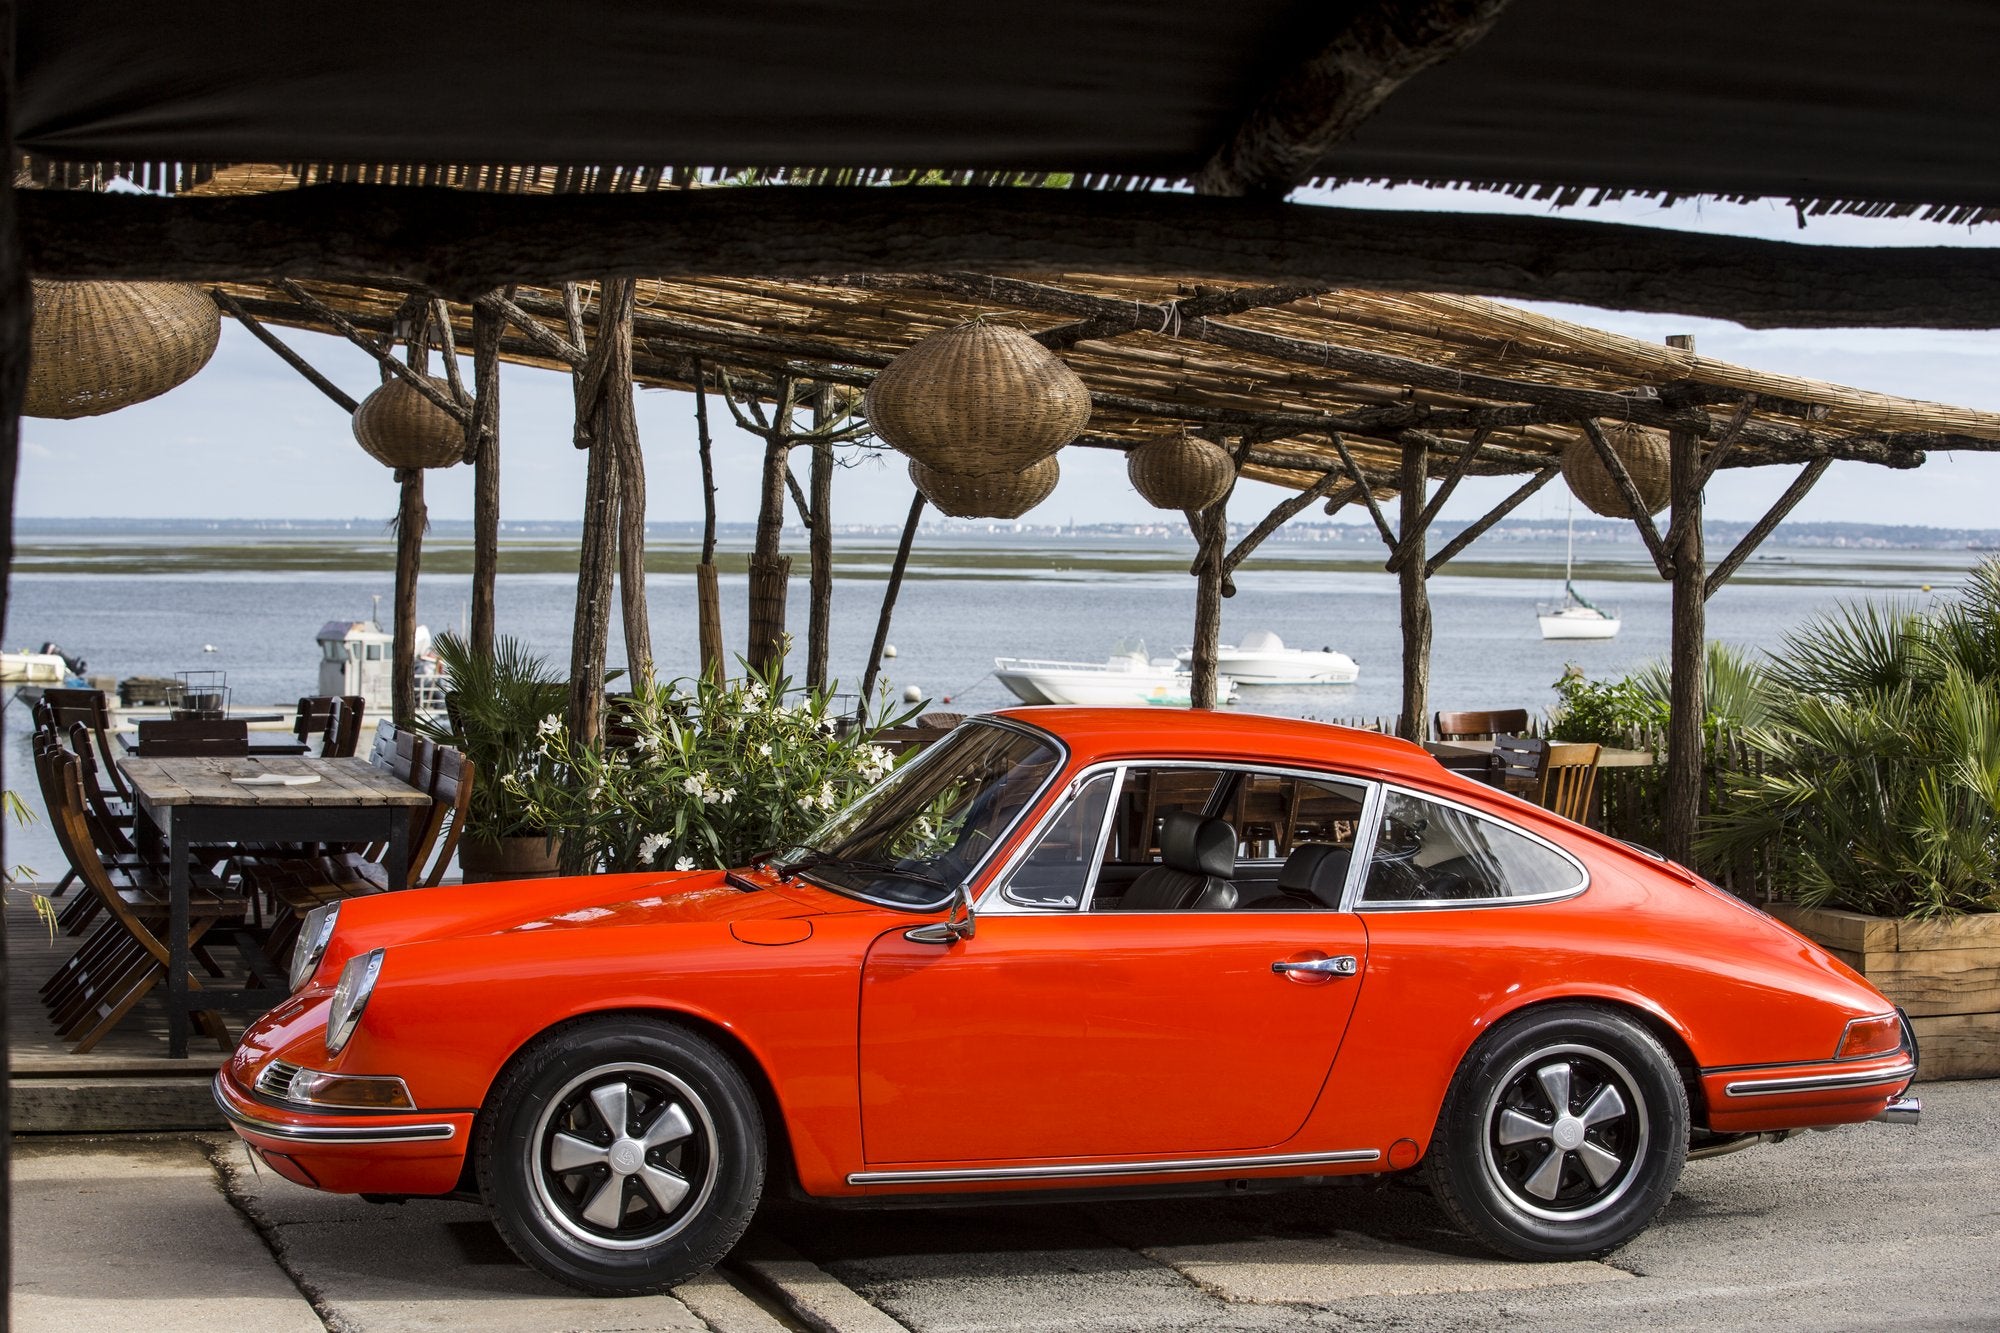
(1057,872)
(1276,813)
(1428,852)
(1148,795)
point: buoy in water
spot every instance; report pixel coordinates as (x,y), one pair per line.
(888,650)
(912,695)
(1927,587)
(208,647)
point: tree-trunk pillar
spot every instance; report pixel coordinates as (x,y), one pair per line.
(1211,528)
(820,616)
(707,584)
(411,516)
(769,571)
(487,323)
(15,310)
(620,416)
(604,424)
(1412,722)
(1688,707)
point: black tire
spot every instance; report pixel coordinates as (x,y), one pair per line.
(601,1210)
(1536,1181)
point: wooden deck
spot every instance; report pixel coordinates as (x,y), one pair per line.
(127,1083)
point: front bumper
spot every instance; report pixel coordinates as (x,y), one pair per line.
(414,1153)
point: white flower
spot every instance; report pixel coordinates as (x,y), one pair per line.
(685,863)
(648,742)
(652,845)
(754,691)
(725,796)
(807,801)
(826,796)
(696,784)
(549,725)
(764,748)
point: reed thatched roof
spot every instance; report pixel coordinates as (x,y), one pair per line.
(1284,368)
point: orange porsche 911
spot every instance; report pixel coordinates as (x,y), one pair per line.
(1068,949)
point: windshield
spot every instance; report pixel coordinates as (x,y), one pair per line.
(920,834)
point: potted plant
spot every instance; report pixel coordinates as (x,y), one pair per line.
(699,774)
(1877,791)
(497,711)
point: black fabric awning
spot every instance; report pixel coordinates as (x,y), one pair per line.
(1830,100)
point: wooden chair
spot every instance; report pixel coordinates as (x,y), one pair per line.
(1480,726)
(333,720)
(1570,780)
(126,957)
(1520,765)
(67,708)
(181,738)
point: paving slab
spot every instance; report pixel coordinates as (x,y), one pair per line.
(424,1267)
(134,1234)
(1270,1270)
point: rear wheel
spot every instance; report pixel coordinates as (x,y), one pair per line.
(622,1156)
(1563,1134)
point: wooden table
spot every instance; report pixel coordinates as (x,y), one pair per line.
(195,801)
(1607,757)
(262,745)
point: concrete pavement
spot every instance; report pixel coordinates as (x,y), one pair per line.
(1860,1228)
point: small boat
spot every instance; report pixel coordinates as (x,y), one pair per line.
(1127,678)
(48,666)
(1262,659)
(1577,617)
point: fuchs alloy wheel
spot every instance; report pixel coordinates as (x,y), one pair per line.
(622,1156)
(1563,1134)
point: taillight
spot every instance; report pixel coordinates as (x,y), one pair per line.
(1880,1035)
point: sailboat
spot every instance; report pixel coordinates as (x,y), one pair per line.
(1577,617)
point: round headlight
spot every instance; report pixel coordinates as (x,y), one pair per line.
(314,936)
(350,997)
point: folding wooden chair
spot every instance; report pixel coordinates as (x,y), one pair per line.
(1520,765)
(126,956)
(332,720)
(68,708)
(1480,726)
(1570,780)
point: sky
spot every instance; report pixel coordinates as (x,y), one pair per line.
(249,438)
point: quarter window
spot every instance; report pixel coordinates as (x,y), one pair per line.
(1057,873)
(1426,851)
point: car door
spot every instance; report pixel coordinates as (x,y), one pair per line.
(1056,1031)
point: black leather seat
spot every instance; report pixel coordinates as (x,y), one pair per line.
(1197,861)
(1316,870)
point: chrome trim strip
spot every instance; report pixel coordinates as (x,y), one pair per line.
(1861,1078)
(1149,1168)
(272,1129)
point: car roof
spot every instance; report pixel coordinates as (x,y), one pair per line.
(1102,733)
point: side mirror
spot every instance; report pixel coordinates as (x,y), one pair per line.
(958,923)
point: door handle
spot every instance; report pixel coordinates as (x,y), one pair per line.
(1343,966)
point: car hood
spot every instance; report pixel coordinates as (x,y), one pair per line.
(579,903)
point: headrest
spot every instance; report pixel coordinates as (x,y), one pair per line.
(1317,869)
(1199,846)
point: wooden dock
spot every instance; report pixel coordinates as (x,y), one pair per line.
(127,1083)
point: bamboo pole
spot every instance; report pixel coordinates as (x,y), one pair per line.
(1413,580)
(889,600)
(1687,704)
(487,323)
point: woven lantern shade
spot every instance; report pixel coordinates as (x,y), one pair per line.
(987,494)
(1644,453)
(401,428)
(979,398)
(1180,472)
(100,346)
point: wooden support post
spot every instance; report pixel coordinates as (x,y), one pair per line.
(284,351)
(819,616)
(1687,651)
(1211,528)
(411,520)
(1628,490)
(1413,724)
(1507,506)
(483,440)
(619,427)
(707,585)
(591,630)
(16,306)
(889,600)
(1755,537)
(770,572)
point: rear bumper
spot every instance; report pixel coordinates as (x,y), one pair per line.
(419,1153)
(1748,1100)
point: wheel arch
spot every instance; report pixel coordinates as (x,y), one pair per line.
(777,1130)
(1648,1017)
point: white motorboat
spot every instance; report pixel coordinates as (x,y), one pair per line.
(1576,618)
(1262,659)
(1127,678)
(33,669)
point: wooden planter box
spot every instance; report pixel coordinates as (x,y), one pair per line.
(1945,974)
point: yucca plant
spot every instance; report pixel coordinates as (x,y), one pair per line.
(495,707)
(1880,782)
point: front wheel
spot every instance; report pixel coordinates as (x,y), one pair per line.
(622,1156)
(1562,1136)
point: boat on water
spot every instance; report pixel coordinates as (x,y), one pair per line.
(46,666)
(1577,617)
(1262,658)
(1126,678)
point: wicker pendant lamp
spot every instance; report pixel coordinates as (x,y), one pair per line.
(100,346)
(400,428)
(1180,472)
(987,494)
(979,398)
(1644,453)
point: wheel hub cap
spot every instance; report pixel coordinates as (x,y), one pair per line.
(626,1154)
(1565,1130)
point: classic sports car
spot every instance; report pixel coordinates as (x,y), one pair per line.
(1063,949)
